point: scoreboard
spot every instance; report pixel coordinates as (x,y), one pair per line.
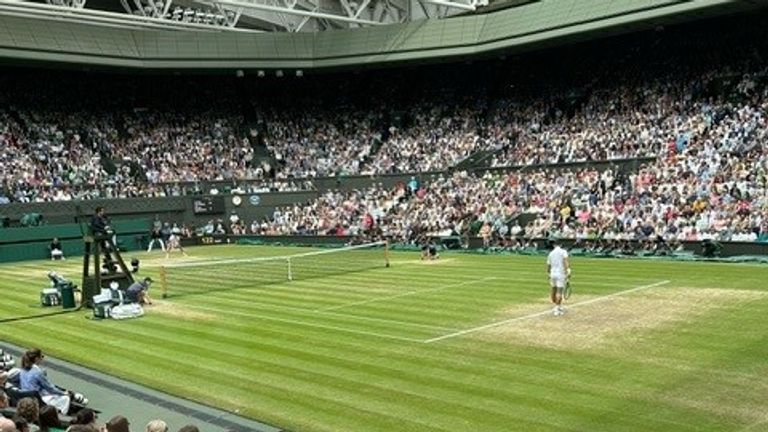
(208,205)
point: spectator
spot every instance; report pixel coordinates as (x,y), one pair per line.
(21,424)
(157,426)
(49,420)
(86,416)
(28,409)
(7,425)
(118,424)
(33,378)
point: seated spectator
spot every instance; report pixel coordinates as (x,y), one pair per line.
(118,424)
(57,251)
(49,420)
(4,401)
(32,378)
(12,388)
(157,426)
(189,428)
(87,417)
(21,424)
(28,409)
(7,425)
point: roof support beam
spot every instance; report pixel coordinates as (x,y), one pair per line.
(362,7)
(299,12)
(97,17)
(452,4)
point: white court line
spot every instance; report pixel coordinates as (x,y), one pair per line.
(375,299)
(538,314)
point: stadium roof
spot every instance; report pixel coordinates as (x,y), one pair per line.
(253,35)
(248,15)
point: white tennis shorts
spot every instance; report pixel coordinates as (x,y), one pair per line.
(557,282)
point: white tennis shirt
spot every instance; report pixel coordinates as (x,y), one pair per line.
(556,261)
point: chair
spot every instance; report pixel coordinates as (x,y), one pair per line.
(15,395)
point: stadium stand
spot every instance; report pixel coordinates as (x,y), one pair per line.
(704,122)
(701,113)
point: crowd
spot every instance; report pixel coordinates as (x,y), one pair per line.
(712,186)
(57,157)
(709,182)
(698,115)
(318,141)
(30,402)
(666,201)
(438,138)
(613,103)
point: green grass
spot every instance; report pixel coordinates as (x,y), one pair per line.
(349,353)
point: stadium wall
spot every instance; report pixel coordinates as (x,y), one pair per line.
(18,244)
(537,24)
(179,209)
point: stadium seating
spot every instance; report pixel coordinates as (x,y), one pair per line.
(702,122)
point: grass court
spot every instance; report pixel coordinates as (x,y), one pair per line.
(465,343)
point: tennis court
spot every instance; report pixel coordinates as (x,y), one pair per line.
(463,343)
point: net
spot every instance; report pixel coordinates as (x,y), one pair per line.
(229,274)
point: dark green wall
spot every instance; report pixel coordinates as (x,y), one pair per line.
(17,244)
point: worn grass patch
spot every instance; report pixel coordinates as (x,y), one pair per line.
(175,258)
(618,319)
(733,400)
(162,307)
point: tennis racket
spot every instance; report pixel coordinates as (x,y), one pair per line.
(567,290)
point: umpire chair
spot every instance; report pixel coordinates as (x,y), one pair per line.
(112,269)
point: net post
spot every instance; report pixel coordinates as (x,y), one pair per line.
(164,281)
(290,273)
(386,253)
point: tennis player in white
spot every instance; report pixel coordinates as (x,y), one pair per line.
(559,269)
